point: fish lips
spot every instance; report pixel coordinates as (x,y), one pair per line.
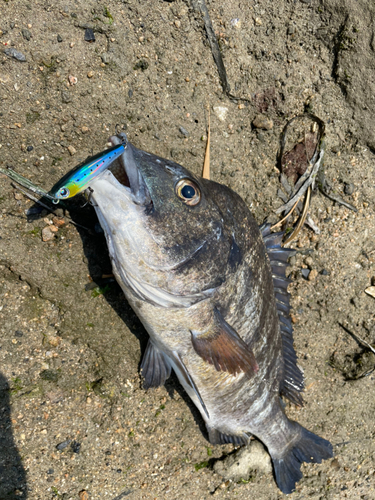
(131,176)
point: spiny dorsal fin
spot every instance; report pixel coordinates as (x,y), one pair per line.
(293,383)
(222,347)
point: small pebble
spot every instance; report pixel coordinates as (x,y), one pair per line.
(83,495)
(349,188)
(84,130)
(89,35)
(47,234)
(309,262)
(58,221)
(261,121)
(75,446)
(63,445)
(53,228)
(72,80)
(324,272)
(90,74)
(72,150)
(59,38)
(312,275)
(177,23)
(236,23)
(65,97)
(370,291)
(183,131)
(54,341)
(12,52)
(26,34)
(106,57)
(220,112)
(29,148)
(305,273)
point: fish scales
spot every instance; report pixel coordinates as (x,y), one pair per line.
(209,286)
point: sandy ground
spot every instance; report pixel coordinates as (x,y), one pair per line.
(74,419)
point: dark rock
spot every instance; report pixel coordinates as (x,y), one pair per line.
(324,272)
(50,471)
(26,34)
(12,52)
(130,93)
(18,333)
(305,273)
(89,35)
(142,65)
(59,38)
(75,446)
(29,148)
(63,445)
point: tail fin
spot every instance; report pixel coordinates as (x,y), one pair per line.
(309,448)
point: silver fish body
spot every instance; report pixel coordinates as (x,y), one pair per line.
(209,286)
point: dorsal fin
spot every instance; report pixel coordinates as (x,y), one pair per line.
(293,383)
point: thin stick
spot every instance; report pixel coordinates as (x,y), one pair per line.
(361,341)
(206,164)
(310,181)
(29,195)
(27,184)
(301,219)
(287,215)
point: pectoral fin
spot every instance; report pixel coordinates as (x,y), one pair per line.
(222,347)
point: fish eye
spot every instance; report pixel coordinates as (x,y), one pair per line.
(188,192)
(63,192)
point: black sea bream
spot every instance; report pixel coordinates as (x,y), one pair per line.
(209,286)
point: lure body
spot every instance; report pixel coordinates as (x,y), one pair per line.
(81,176)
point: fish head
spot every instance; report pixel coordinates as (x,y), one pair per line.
(163,227)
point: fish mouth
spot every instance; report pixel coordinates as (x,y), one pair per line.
(126,172)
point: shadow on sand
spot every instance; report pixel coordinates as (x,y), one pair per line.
(99,264)
(12,473)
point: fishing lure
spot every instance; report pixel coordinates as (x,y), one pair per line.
(76,181)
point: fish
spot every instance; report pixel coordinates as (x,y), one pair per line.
(209,286)
(77,180)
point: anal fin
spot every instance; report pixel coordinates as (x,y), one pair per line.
(187,381)
(155,367)
(217,437)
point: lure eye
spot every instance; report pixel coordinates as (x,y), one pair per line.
(188,192)
(63,193)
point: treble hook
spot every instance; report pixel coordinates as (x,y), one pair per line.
(89,198)
(121,135)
